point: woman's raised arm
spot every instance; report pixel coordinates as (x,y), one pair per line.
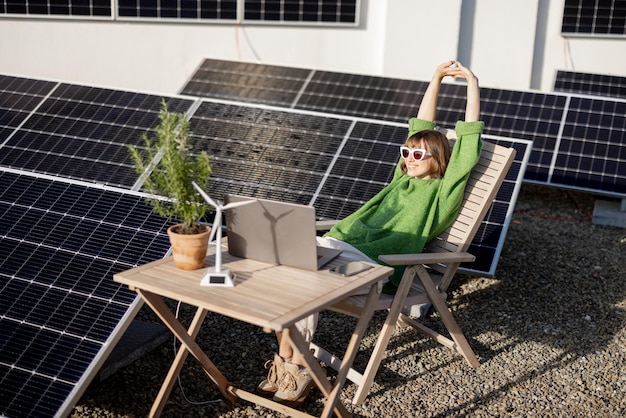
(472,107)
(428,107)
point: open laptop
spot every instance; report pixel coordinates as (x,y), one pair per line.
(275,232)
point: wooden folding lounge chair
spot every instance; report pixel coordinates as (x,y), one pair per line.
(429,273)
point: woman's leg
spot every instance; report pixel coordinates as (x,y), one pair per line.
(307,328)
(285,350)
(288,380)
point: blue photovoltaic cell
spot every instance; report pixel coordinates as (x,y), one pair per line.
(526,115)
(60,245)
(590,84)
(82,133)
(594,17)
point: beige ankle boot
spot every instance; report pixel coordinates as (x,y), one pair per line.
(294,385)
(268,387)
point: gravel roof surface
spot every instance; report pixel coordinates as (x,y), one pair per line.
(549,331)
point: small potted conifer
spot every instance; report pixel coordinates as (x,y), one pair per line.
(168,167)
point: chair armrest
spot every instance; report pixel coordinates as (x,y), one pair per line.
(325,225)
(426,258)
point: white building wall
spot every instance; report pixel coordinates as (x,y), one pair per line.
(397,38)
(503,42)
(419,35)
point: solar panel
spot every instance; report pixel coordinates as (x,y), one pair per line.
(535,116)
(257,83)
(266,153)
(302,11)
(93,8)
(590,84)
(362,95)
(60,244)
(594,17)
(528,115)
(592,149)
(292,12)
(363,167)
(182,10)
(82,132)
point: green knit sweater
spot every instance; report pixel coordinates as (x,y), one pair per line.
(409,212)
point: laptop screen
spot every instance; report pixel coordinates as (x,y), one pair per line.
(272,231)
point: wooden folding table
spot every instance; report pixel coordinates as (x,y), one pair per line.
(273,297)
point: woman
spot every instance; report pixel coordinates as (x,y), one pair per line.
(421,201)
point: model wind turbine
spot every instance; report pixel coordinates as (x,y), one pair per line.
(216,276)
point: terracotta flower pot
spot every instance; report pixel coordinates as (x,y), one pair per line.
(189,251)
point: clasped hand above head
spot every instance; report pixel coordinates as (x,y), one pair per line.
(454,69)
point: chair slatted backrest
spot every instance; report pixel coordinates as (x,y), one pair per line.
(483,185)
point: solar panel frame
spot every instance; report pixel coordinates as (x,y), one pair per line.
(66,9)
(588,148)
(251,12)
(321,12)
(189,11)
(598,18)
(590,84)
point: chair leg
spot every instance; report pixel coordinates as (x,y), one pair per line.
(460,342)
(383,339)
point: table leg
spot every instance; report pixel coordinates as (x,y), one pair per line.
(161,309)
(332,392)
(317,372)
(177,365)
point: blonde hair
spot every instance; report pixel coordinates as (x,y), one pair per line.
(437,144)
